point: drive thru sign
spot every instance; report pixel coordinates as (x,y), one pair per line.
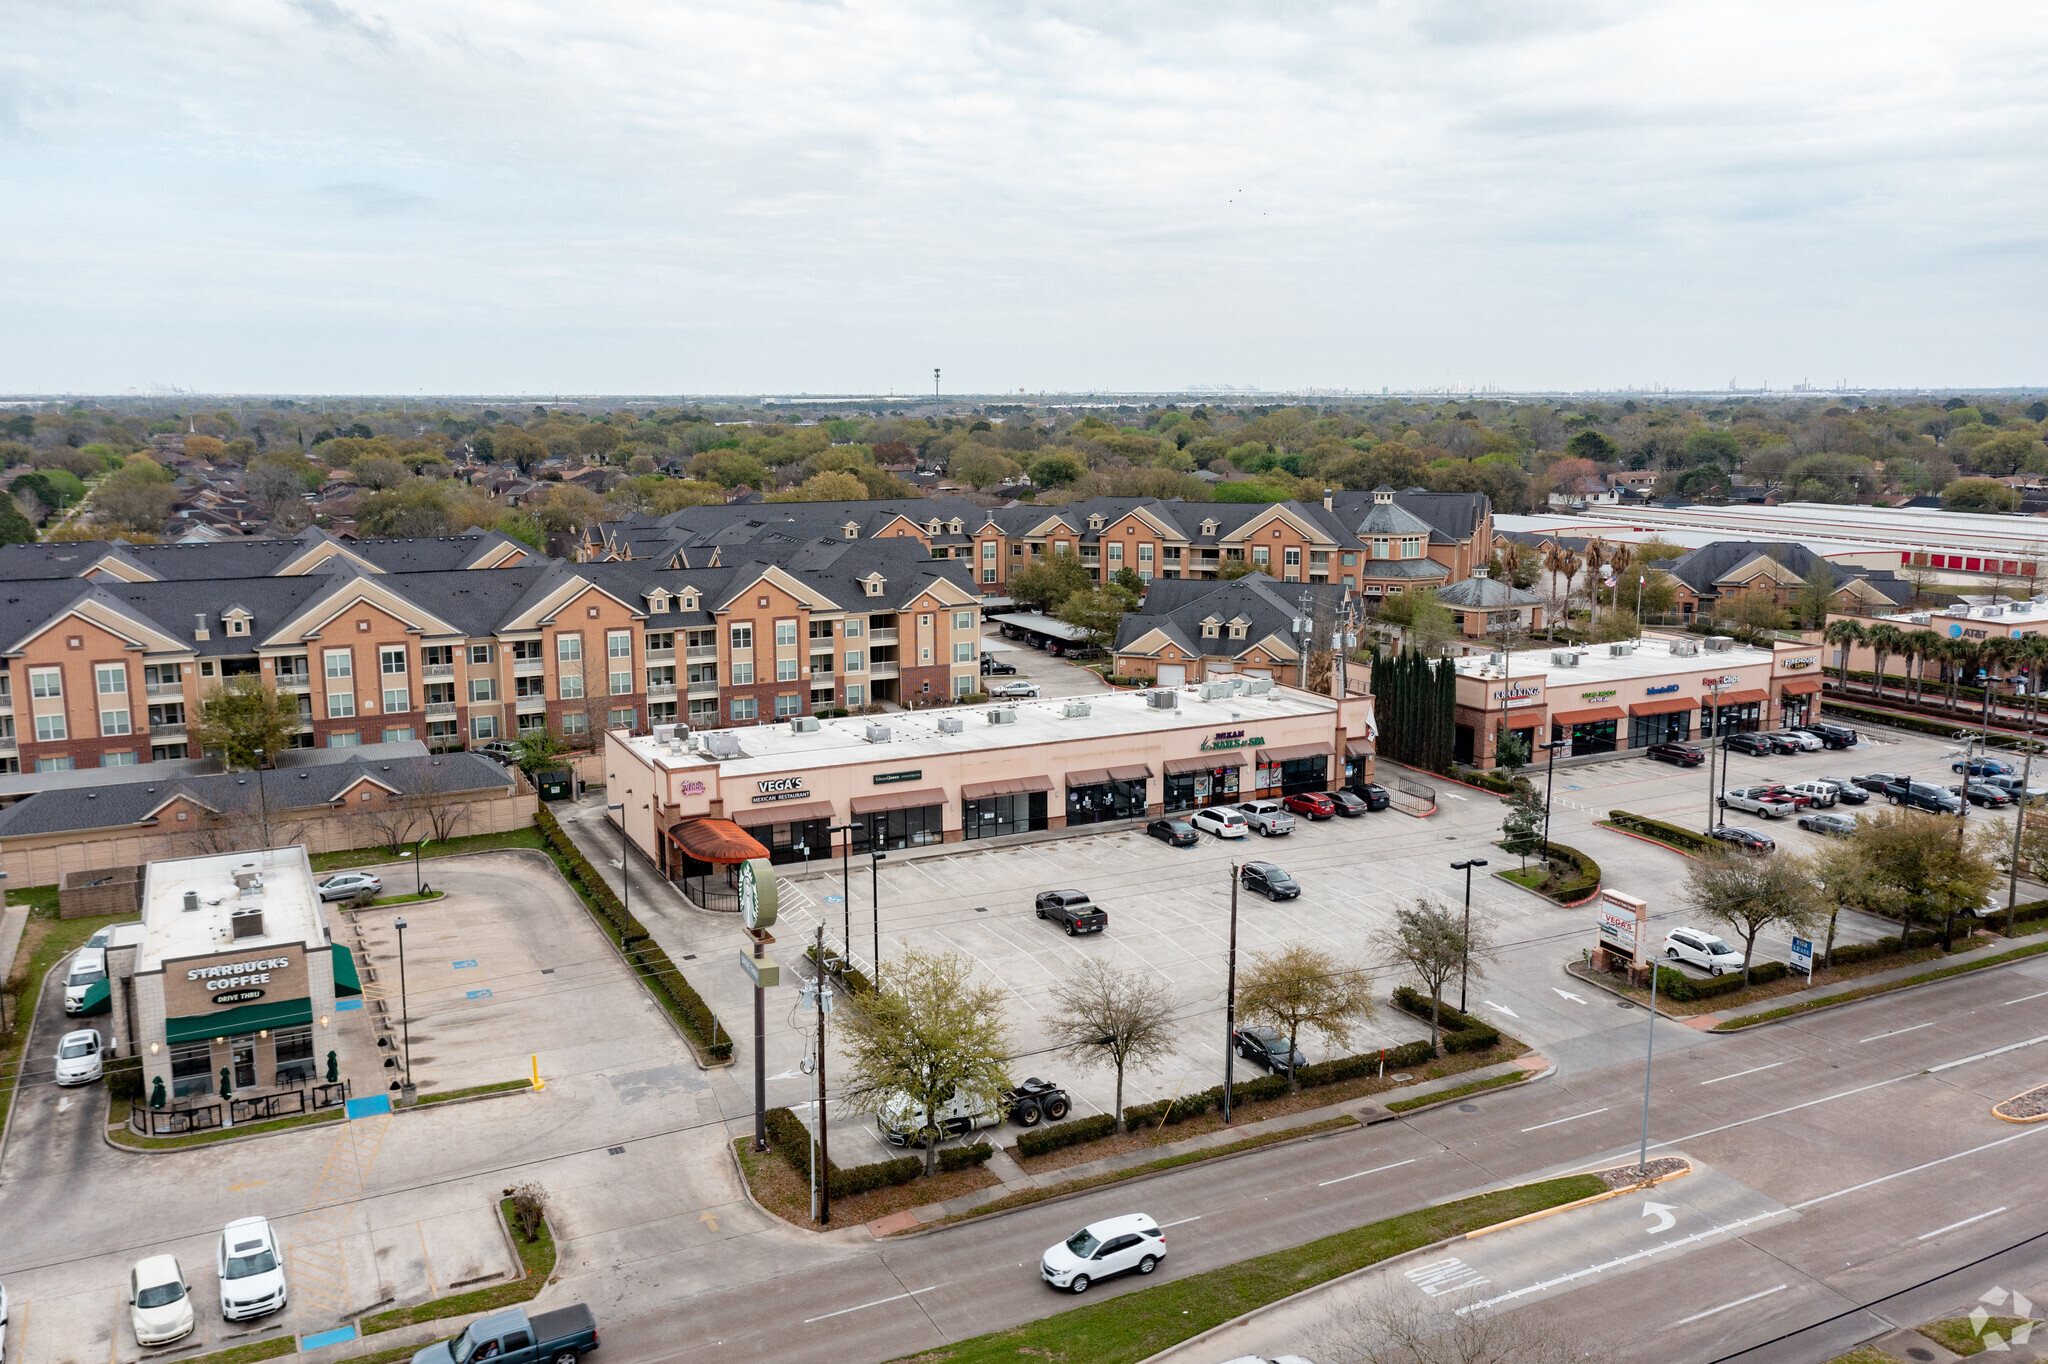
(1623,922)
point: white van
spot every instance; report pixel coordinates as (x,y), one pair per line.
(88,968)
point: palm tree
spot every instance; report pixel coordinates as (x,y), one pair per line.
(1596,554)
(1884,641)
(2034,654)
(1962,661)
(1618,559)
(1844,635)
(1925,644)
(1555,556)
(1996,656)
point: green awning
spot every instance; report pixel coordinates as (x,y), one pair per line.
(285,1013)
(346,981)
(99,998)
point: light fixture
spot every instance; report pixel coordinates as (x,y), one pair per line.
(153,1047)
(323,1020)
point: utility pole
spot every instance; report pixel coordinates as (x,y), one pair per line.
(1230,1000)
(1713,726)
(1643,1157)
(2019,824)
(935,390)
(875,860)
(846,877)
(819,993)
(1465,946)
(1549,777)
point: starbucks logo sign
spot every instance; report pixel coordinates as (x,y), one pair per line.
(757,893)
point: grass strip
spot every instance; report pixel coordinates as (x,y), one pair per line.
(45,940)
(1423,1100)
(447,847)
(1132,1326)
(1961,1336)
(1869,1354)
(121,1134)
(1025,1197)
(1868,991)
(391,1356)
(537,1259)
(414,898)
(286,1344)
(473,1091)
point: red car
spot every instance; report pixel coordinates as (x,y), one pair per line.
(1798,800)
(1314,804)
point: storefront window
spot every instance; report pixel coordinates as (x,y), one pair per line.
(1105,801)
(1306,774)
(994,816)
(1193,790)
(295,1061)
(1596,737)
(191,1070)
(1669,728)
(1743,719)
(797,841)
(912,828)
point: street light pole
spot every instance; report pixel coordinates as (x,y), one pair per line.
(1230,1000)
(2019,824)
(1465,943)
(875,860)
(1649,1055)
(824,1146)
(625,867)
(1549,779)
(404,1010)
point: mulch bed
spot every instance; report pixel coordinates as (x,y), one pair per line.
(2032,1104)
(787,1194)
(1791,984)
(1628,1176)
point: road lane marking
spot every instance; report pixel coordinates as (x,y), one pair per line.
(1444,1276)
(1183,1222)
(1929,1235)
(1925,1165)
(1618,1261)
(1895,1032)
(1986,1055)
(876,1303)
(1502,1007)
(1567,994)
(1555,1121)
(2024,998)
(1702,1316)
(1362,1173)
(1754,1070)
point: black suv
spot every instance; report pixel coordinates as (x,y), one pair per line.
(995,667)
(1754,744)
(1833,735)
(1685,755)
(1269,881)
(1372,793)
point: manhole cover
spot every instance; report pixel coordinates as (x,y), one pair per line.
(1917,1353)
(1400,1079)
(1468,1108)
(1625,1004)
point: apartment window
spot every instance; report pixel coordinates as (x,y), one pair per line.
(398,736)
(530,686)
(745,708)
(1116,551)
(339,663)
(855,695)
(483,727)
(1059,548)
(856,660)
(479,655)
(1292,557)
(125,758)
(988,550)
(618,644)
(391,660)
(821,631)
(569,648)
(114,723)
(112,679)
(1261,556)
(743,674)
(45,684)
(571,686)
(1350,559)
(483,688)
(963,686)
(963,620)
(528,650)
(575,722)
(788,705)
(620,719)
(397,701)
(50,729)
(341,705)
(346,739)
(53,764)
(661,639)
(964,652)
(622,684)
(1145,553)
(785,634)
(438,656)
(742,636)
(988,575)
(785,670)
(852,629)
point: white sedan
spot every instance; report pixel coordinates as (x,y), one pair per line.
(350,884)
(1222,823)
(78,1057)
(159,1301)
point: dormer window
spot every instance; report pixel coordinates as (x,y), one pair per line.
(932,529)
(237,621)
(954,527)
(851,530)
(1095,523)
(1209,627)
(873,586)
(687,600)
(1237,629)
(1208,528)
(657,602)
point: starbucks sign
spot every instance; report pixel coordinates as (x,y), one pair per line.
(757,893)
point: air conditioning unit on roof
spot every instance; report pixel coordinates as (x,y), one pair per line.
(951,724)
(1075,710)
(1685,648)
(1620,650)
(1002,715)
(1258,686)
(1162,698)
(804,724)
(1564,658)
(1719,644)
(1216,691)
(877,734)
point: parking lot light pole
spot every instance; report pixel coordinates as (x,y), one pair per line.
(1713,724)
(1465,942)
(1549,779)
(404,1012)
(875,860)
(2019,824)
(1649,1055)
(1230,1000)
(845,877)
(824,1147)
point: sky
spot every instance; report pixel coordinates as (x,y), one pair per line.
(774,196)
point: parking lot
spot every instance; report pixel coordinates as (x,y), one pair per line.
(1052,676)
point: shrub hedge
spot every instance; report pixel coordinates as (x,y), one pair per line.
(1461,1031)
(789,1139)
(653,966)
(1845,953)
(1040,1140)
(965,1157)
(1919,724)
(1683,839)
(1492,781)
(1675,985)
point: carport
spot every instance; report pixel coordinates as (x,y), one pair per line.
(709,850)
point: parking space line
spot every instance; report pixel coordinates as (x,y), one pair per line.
(2024,998)
(998,976)
(426,1258)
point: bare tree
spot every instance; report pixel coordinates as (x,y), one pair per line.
(1110,1017)
(442,808)
(1305,987)
(387,819)
(1432,941)
(1392,1324)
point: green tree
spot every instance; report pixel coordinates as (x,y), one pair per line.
(1712,447)
(1979,495)
(1127,581)
(538,749)
(1098,612)
(930,1031)
(1057,469)
(1304,987)
(1917,865)
(134,503)
(1232,569)
(978,466)
(1431,625)
(1049,581)
(1121,1019)
(1521,826)
(1746,894)
(244,716)
(15,529)
(418,509)
(1431,941)
(1592,445)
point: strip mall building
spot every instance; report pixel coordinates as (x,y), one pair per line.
(696,802)
(1604,697)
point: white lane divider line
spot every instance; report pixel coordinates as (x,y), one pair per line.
(2024,998)
(2020,1135)
(1555,1121)
(1929,1235)
(1754,1070)
(876,1303)
(1895,1032)
(1986,1055)
(1183,1222)
(1444,1276)
(1618,1261)
(1702,1316)
(1362,1173)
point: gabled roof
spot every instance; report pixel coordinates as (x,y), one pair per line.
(1485,594)
(1176,607)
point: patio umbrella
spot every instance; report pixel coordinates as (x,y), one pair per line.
(156,1093)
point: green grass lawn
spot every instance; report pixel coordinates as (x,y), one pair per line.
(537,1258)
(370,857)
(1421,1100)
(46,940)
(250,1353)
(501,1087)
(121,1134)
(1964,1339)
(1132,1326)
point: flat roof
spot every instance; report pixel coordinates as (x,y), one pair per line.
(291,913)
(1652,658)
(1686,535)
(770,749)
(1901,528)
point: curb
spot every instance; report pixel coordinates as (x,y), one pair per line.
(1459,1098)
(2038,1117)
(1581,1203)
(1502,877)
(107,1127)
(1821,1007)
(747,1190)
(1688,1020)
(21,1065)
(1644,838)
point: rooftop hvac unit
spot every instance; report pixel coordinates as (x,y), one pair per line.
(1075,710)
(804,724)
(1564,658)
(1002,715)
(877,734)
(675,747)
(191,902)
(663,733)
(246,923)
(1719,644)
(1620,650)
(951,724)
(1497,661)
(722,744)
(248,879)
(1216,691)
(1258,686)
(1162,698)
(1685,648)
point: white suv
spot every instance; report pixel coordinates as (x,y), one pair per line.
(251,1271)
(1703,950)
(1220,822)
(1820,794)
(1100,1249)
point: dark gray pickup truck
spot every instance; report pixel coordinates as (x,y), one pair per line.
(1072,909)
(512,1337)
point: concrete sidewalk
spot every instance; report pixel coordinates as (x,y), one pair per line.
(1367,1110)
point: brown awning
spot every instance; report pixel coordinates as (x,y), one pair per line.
(898,800)
(1800,686)
(1742,698)
(1663,705)
(1208,762)
(1358,748)
(783,812)
(716,840)
(1295,753)
(1585,717)
(1012,786)
(1142,772)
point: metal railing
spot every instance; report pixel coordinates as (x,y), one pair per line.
(661,655)
(528,667)
(528,705)
(440,710)
(441,672)
(293,682)
(176,731)
(661,691)
(168,688)
(882,636)
(701,653)
(208,1116)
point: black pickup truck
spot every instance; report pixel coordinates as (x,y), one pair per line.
(1073,909)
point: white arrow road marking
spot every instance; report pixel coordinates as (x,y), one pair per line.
(785,1075)
(1666,1215)
(1455,796)
(1502,1007)
(1567,994)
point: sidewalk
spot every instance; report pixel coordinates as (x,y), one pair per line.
(1366,1111)
(1705,1022)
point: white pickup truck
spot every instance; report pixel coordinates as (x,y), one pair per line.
(1758,800)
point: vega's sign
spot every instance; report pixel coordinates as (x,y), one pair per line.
(780,788)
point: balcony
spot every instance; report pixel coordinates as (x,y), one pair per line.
(438,672)
(286,682)
(661,655)
(531,705)
(882,670)
(701,690)
(701,653)
(173,688)
(440,710)
(8,745)
(528,667)
(661,691)
(159,733)
(882,636)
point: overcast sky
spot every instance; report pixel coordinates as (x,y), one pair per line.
(615,196)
